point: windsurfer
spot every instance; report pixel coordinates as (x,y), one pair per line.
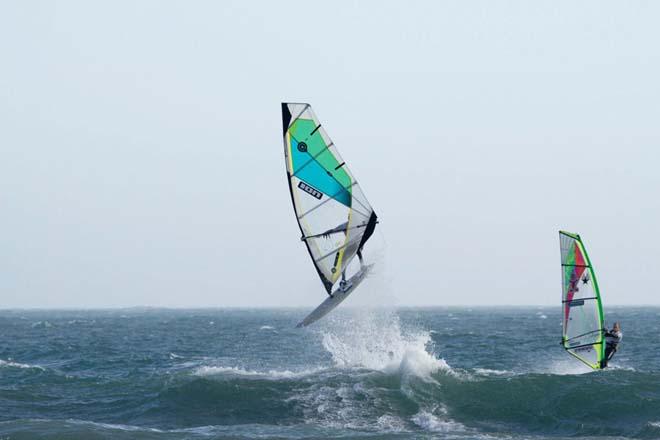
(612,339)
(370,227)
(341,228)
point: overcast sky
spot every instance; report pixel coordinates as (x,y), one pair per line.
(141,157)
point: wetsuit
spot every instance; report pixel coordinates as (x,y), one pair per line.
(368,232)
(371,227)
(612,340)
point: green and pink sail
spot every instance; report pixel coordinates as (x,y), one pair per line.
(582,310)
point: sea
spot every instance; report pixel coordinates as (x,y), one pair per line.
(399,373)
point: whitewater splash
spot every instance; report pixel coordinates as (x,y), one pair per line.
(375,340)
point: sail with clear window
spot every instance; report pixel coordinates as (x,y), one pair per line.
(582,310)
(334,216)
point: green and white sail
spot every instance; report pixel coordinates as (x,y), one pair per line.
(325,194)
(582,310)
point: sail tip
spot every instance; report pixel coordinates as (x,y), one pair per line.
(287,107)
(286,118)
(570,234)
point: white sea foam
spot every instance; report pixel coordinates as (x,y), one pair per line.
(187,365)
(574,367)
(371,340)
(266,327)
(236,371)
(565,367)
(375,340)
(175,356)
(489,372)
(342,406)
(215,431)
(620,367)
(10,363)
(430,422)
(390,423)
(204,430)
(114,426)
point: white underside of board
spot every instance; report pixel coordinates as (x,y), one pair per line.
(338,297)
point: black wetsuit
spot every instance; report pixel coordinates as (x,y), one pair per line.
(368,232)
(370,228)
(612,340)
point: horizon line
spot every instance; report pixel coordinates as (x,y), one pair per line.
(398,306)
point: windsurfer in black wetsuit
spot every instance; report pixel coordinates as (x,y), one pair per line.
(612,339)
(370,227)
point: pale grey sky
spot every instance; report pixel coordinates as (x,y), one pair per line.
(141,158)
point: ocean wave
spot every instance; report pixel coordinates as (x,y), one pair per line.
(85,429)
(563,367)
(489,372)
(80,321)
(236,371)
(202,430)
(619,367)
(114,426)
(10,363)
(378,375)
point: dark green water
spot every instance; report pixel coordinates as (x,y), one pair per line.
(483,373)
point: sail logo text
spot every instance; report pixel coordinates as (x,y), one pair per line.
(309,190)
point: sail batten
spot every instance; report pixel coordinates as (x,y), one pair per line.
(582,315)
(331,209)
